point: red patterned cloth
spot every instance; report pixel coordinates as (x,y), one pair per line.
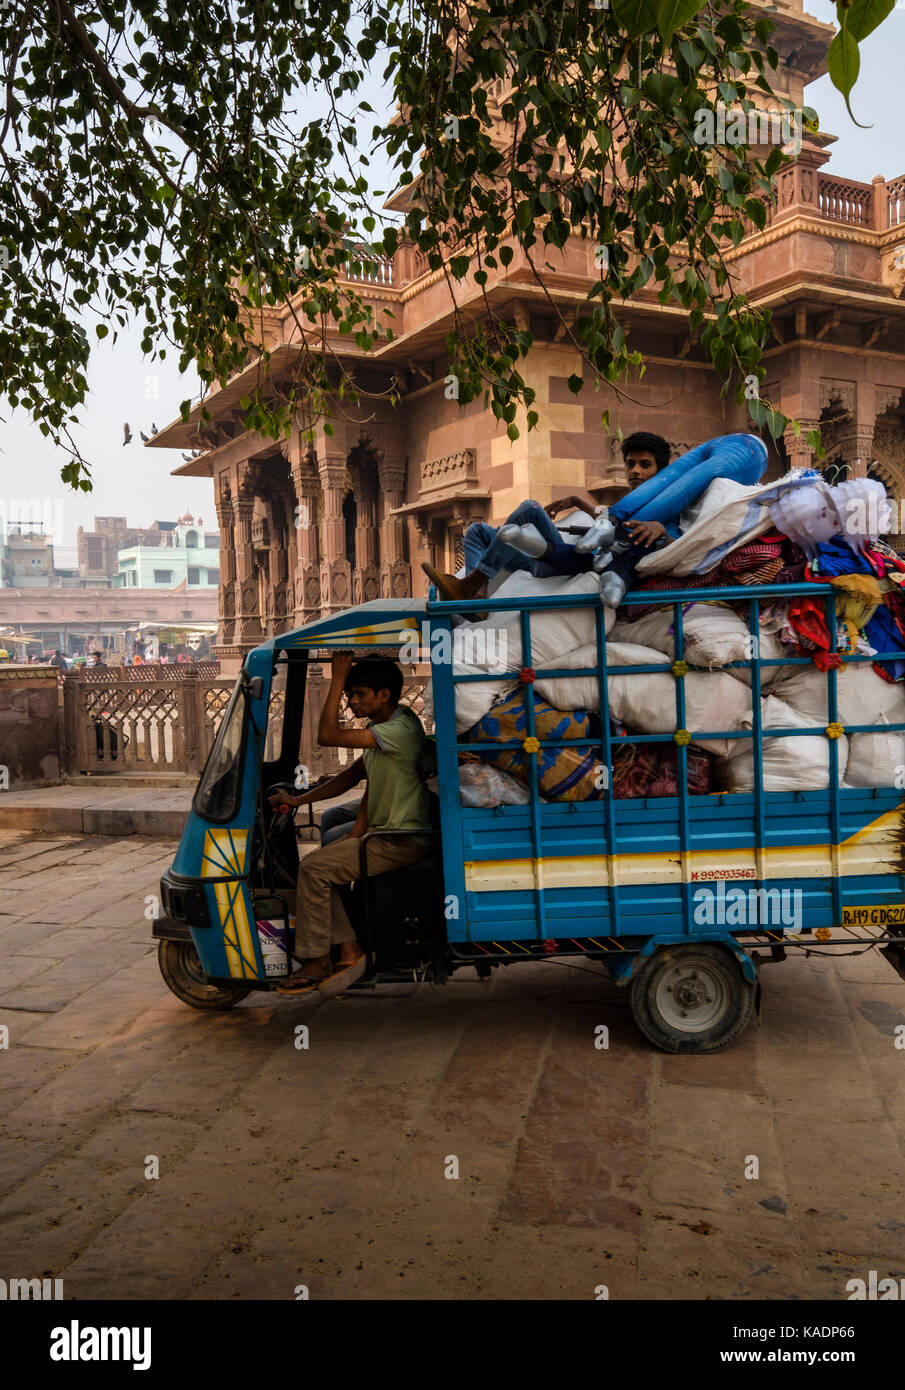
(651,769)
(758,562)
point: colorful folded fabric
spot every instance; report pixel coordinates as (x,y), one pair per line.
(564,774)
(758,562)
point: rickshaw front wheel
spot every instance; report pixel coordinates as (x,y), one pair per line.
(691,999)
(182,972)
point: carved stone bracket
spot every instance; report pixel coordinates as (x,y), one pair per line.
(391,474)
(799,452)
(888,398)
(838,396)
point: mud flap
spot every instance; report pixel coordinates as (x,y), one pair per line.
(758,998)
(896,957)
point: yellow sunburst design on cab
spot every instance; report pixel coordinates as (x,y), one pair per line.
(224,853)
(237,939)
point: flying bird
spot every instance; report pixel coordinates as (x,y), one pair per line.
(127,434)
(144,437)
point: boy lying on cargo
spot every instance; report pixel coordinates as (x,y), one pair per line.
(530,540)
(659,492)
(395,799)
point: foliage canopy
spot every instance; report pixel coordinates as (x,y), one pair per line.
(188,166)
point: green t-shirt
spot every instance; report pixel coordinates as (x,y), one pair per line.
(397,797)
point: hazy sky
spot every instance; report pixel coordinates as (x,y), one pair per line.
(135,482)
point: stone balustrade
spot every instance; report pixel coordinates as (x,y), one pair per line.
(143,718)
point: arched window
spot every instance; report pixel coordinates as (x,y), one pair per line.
(191,539)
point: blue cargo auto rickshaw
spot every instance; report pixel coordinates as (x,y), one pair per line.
(610,879)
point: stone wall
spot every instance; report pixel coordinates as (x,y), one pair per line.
(30,727)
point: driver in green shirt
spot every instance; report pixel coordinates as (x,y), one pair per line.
(395,799)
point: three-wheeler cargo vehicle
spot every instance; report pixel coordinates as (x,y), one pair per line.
(614,880)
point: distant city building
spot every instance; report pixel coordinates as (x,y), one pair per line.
(27,560)
(179,554)
(97,549)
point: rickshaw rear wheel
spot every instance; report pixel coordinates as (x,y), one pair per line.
(691,999)
(182,972)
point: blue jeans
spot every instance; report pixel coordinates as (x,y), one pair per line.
(668,493)
(485,551)
(337,821)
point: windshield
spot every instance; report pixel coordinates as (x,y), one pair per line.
(217,797)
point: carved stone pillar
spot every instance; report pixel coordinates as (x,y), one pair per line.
(270,567)
(366,579)
(226,598)
(395,571)
(336,571)
(304,544)
(798,451)
(248,627)
(282,560)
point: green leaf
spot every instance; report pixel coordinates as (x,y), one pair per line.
(636,17)
(575,383)
(843,62)
(674,14)
(861,17)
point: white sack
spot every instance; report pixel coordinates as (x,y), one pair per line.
(583,692)
(789,764)
(646,704)
(874,760)
(653,630)
(714,636)
(553,635)
(862,696)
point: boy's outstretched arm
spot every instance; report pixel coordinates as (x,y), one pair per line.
(334,786)
(330,733)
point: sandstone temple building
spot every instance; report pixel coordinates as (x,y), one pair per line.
(305,530)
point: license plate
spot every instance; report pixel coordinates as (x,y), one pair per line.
(887,915)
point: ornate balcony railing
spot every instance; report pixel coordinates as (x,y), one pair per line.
(845,200)
(895,201)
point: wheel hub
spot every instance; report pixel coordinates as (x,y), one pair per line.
(691,998)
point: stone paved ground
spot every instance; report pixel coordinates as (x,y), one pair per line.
(325,1167)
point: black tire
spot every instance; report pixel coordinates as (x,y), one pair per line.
(691,999)
(182,972)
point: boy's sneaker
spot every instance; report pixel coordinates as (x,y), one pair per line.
(600,536)
(525,538)
(612,589)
